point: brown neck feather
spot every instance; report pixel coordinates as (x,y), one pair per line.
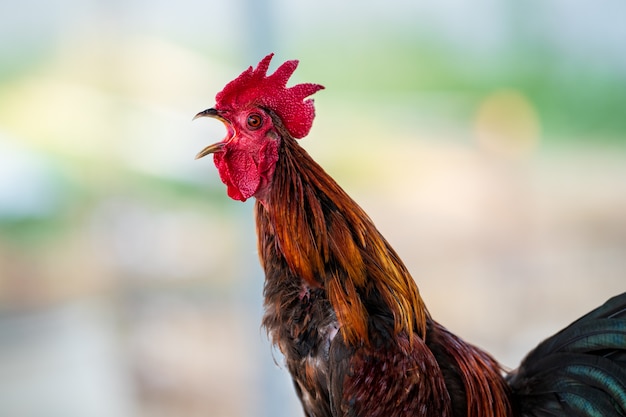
(329,241)
(309,225)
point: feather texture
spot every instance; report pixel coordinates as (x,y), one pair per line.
(347,315)
(580,371)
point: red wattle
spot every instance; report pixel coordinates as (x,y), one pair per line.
(239,172)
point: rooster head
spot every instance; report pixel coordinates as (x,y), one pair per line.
(252,106)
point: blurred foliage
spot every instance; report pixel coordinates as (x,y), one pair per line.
(575,100)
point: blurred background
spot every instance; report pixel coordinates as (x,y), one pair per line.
(487,140)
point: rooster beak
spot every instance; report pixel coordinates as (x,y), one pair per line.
(208,113)
(216,147)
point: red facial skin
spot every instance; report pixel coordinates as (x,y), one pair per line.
(248,157)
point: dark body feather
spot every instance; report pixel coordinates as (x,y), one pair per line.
(580,371)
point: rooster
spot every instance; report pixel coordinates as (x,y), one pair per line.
(345,312)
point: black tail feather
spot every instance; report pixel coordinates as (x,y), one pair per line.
(580,371)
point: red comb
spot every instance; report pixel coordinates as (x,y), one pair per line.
(255,87)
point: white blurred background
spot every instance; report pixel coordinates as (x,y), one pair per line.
(486,140)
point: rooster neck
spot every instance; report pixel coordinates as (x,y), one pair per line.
(332,282)
(326,241)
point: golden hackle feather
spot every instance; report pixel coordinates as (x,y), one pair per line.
(329,241)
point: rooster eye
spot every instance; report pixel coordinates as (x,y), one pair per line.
(254,121)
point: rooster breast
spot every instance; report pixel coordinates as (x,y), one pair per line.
(302,323)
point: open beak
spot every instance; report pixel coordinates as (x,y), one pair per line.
(216,147)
